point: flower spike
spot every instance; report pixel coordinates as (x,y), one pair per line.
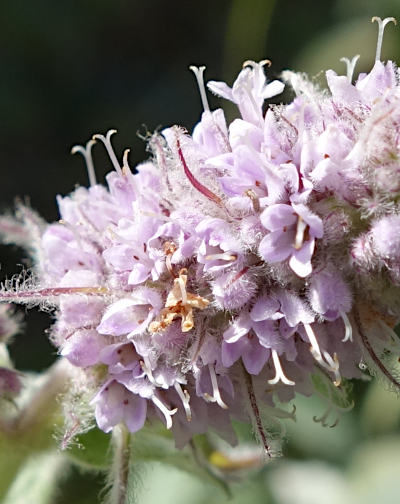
(381,29)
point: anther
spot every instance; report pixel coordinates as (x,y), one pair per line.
(280,375)
(110,150)
(350,65)
(198,73)
(253,64)
(381,29)
(87,154)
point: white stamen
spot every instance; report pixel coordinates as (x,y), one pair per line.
(350,66)
(183,290)
(216,397)
(146,368)
(254,199)
(185,398)
(330,364)
(110,150)
(165,411)
(300,229)
(349,331)
(333,366)
(381,29)
(280,375)
(198,72)
(87,154)
(221,257)
(254,65)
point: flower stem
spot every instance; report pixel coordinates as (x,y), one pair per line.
(120,467)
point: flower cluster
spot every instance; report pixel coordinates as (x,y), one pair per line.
(237,266)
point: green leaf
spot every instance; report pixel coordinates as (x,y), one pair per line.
(37,480)
(91,450)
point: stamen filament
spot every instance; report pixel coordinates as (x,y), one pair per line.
(254,199)
(164,410)
(350,65)
(185,398)
(330,364)
(198,72)
(280,375)
(381,29)
(349,331)
(216,393)
(110,150)
(87,154)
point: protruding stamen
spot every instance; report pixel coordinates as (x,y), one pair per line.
(253,64)
(169,250)
(350,64)
(300,230)
(87,154)
(198,72)
(221,257)
(333,366)
(254,199)
(125,162)
(185,398)
(280,375)
(348,336)
(323,419)
(216,397)
(381,29)
(330,364)
(164,410)
(146,368)
(110,150)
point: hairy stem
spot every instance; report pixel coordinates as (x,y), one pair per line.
(120,467)
(371,351)
(256,412)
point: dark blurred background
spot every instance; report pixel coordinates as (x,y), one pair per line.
(73,68)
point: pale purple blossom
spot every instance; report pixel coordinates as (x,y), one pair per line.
(235,265)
